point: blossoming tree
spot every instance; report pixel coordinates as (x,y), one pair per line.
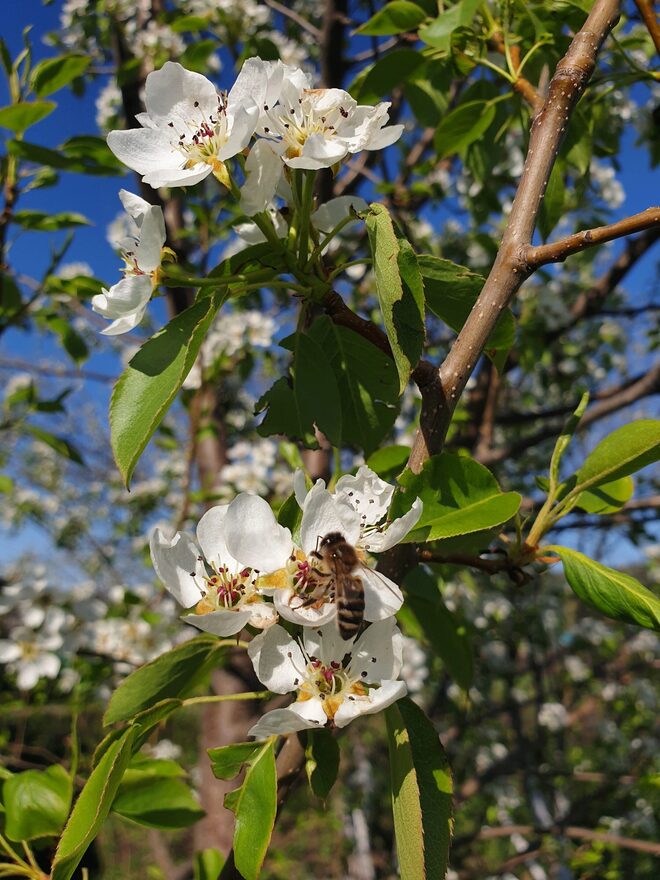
(305,596)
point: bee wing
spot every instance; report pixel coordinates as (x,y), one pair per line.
(382,597)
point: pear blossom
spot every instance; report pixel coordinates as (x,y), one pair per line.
(316,128)
(127,300)
(358,511)
(238,541)
(334,681)
(188,130)
(305,128)
(31,653)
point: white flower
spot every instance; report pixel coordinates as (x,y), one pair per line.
(333,212)
(316,128)
(334,681)
(304,128)
(238,541)
(188,130)
(30,654)
(553,716)
(127,300)
(357,511)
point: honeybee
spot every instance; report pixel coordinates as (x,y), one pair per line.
(340,559)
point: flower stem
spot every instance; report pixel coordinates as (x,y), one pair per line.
(306,204)
(222,698)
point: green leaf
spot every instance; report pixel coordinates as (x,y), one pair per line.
(290,515)
(462,126)
(19,117)
(157,802)
(321,762)
(196,55)
(394,18)
(625,451)
(173,674)
(92,807)
(611,592)
(40,221)
(143,723)
(346,384)
(367,382)
(207,864)
(377,81)
(564,439)
(147,387)
(227,760)
(389,461)
(6,484)
(459,495)
(607,498)
(421,787)
(59,444)
(54,73)
(72,342)
(189,23)
(84,154)
(37,803)
(452,290)
(552,206)
(311,398)
(438,33)
(254,805)
(400,291)
(446,634)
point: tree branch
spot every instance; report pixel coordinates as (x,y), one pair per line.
(294,16)
(510,268)
(576,833)
(616,399)
(557,251)
(649,18)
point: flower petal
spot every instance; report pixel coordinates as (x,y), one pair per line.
(378,542)
(326,644)
(253,535)
(126,297)
(211,537)
(288,606)
(174,94)
(263,168)
(284,721)
(262,614)
(333,212)
(9,651)
(318,152)
(323,514)
(145,150)
(220,623)
(277,659)
(378,699)
(382,597)
(377,653)
(242,122)
(175,560)
(367,492)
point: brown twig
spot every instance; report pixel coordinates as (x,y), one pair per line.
(294,16)
(557,251)
(616,399)
(521,85)
(576,833)
(510,268)
(650,19)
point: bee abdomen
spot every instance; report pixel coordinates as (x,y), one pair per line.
(350,613)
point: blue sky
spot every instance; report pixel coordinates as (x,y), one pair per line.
(97,199)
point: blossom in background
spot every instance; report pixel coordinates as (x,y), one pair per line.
(188,130)
(238,541)
(126,301)
(334,681)
(30,653)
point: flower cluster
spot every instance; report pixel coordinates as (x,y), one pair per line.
(250,571)
(190,131)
